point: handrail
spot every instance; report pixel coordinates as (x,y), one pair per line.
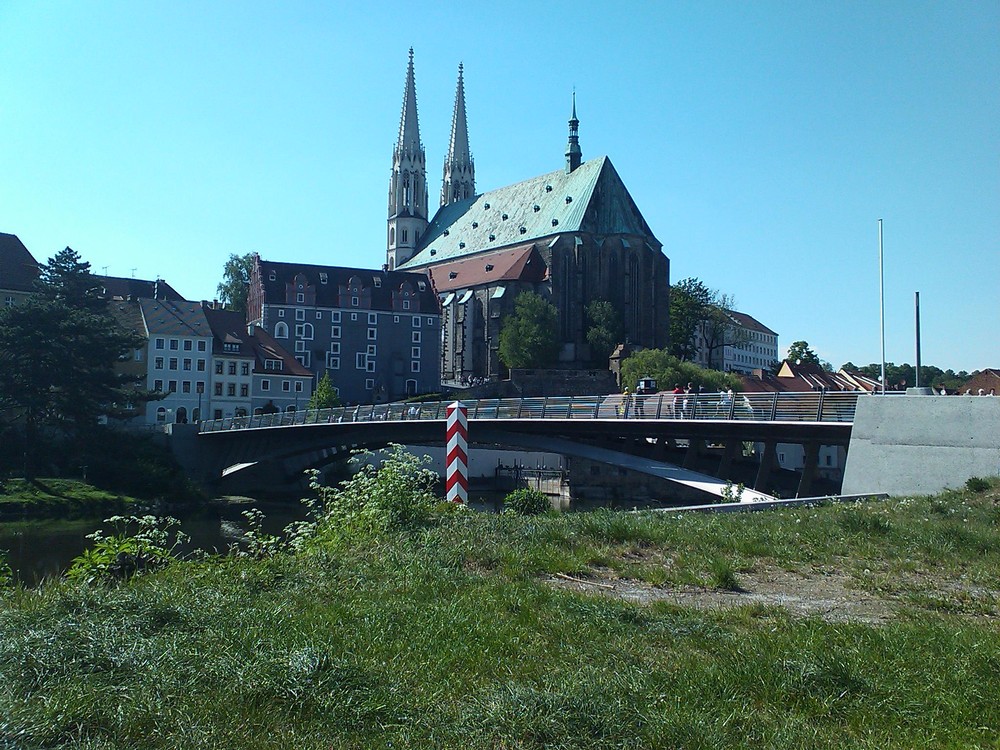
(816,406)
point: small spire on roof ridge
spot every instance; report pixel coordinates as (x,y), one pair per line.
(574,156)
(411,53)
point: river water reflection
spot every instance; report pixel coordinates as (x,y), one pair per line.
(45,548)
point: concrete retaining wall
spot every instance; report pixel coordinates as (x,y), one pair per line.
(919,445)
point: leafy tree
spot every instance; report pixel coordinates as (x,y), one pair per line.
(325,396)
(690,301)
(605,330)
(60,349)
(235,283)
(697,310)
(669,370)
(800,353)
(720,330)
(529,337)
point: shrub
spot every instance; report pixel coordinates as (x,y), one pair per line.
(153,545)
(526,502)
(977,484)
(398,495)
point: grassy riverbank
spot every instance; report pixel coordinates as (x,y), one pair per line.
(64,498)
(868,626)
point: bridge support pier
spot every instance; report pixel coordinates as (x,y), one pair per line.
(694,451)
(728,454)
(767,462)
(808,469)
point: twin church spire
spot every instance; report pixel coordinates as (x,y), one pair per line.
(408,209)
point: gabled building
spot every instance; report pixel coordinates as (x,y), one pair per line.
(18,270)
(574,236)
(749,345)
(251,372)
(178,360)
(377,333)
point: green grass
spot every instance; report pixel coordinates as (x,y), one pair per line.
(449,636)
(67,498)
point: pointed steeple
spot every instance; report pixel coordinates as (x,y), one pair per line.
(409,127)
(408,181)
(574,156)
(459,179)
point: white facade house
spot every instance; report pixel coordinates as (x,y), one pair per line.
(750,345)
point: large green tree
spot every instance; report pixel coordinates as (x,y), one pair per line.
(690,304)
(699,312)
(669,371)
(60,349)
(605,330)
(235,284)
(529,337)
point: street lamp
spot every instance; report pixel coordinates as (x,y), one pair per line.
(200,387)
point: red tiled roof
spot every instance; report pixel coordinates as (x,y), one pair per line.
(523,263)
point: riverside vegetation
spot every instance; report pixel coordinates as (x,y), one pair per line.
(393,620)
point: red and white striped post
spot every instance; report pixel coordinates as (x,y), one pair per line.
(457,453)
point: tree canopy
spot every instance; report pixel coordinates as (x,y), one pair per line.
(529,337)
(235,284)
(60,349)
(605,330)
(697,310)
(325,396)
(669,371)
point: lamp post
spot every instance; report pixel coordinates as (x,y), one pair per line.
(881,302)
(200,387)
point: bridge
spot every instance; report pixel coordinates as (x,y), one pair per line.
(616,429)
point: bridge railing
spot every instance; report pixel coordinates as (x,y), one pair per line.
(817,406)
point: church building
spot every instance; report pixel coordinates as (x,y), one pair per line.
(573,236)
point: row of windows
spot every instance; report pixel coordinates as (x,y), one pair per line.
(175,344)
(173,362)
(172,386)
(227,389)
(300,315)
(286,385)
(230,367)
(305,332)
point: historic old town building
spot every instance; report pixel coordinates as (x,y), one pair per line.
(574,236)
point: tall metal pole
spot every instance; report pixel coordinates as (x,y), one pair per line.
(916,307)
(881,301)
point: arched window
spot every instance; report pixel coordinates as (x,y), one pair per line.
(182,416)
(161,415)
(307,330)
(392,236)
(281,331)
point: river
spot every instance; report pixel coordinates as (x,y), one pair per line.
(40,549)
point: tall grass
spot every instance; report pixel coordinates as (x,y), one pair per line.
(445,635)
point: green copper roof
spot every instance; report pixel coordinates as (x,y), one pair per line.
(591,198)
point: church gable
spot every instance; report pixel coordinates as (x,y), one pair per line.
(611,209)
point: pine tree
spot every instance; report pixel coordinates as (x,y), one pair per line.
(60,349)
(325,396)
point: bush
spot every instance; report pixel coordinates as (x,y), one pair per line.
(121,555)
(977,484)
(396,496)
(526,502)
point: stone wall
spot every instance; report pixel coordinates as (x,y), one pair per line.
(558,383)
(917,445)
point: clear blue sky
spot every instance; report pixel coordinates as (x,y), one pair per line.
(762,141)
